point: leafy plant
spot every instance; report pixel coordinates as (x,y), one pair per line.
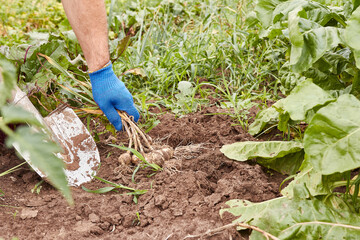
(322,86)
(114,187)
(293,219)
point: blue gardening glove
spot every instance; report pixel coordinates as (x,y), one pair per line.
(111,94)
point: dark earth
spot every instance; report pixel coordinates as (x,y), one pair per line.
(183,199)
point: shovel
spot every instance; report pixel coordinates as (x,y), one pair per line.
(79,151)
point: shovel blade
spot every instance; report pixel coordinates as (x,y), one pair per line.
(80,153)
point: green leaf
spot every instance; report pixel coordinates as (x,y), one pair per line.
(295,219)
(352,34)
(357,57)
(312,11)
(316,43)
(295,35)
(336,62)
(54,49)
(272,11)
(284,119)
(100,190)
(352,30)
(242,151)
(267,116)
(7,79)
(288,164)
(332,139)
(324,79)
(304,97)
(288,78)
(120,47)
(355,88)
(264,10)
(284,157)
(56,65)
(17,52)
(356,4)
(41,153)
(114,184)
(15,114)
(309,182)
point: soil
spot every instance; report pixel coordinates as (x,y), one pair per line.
(183,199)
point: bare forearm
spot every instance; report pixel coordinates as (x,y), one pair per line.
(89,22)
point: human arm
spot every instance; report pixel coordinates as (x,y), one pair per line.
(89,22)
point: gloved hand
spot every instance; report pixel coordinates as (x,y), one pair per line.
(110,94)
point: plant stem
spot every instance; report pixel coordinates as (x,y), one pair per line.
(341,183)
(3,127)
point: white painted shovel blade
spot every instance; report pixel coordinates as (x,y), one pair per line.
(80,155)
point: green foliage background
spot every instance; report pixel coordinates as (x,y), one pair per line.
(303,55)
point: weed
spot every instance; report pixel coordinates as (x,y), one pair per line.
(137,220)
(114,187)
(17,167)
(37,188)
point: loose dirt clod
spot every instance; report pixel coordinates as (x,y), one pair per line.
(143,144)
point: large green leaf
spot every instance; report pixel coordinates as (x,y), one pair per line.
(308,182)
(264,10)
(325,72)
(332,139)
(242,151)
(324,79)
(288,164)
(54,49)
(352,30)
(336,62)
(7,79)
(295,219)
(271,11)
(304,97)
(41,153)
(357,58)
(17,52)
(356,4)
(316,42)
(352,34)
(285,157)
(295,35)
(313,11)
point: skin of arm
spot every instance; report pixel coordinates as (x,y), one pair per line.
(89,21)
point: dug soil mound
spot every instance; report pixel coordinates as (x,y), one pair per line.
(183,199)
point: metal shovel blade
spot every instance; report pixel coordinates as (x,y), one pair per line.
(80,154)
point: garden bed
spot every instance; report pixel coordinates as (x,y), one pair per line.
(183,199)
